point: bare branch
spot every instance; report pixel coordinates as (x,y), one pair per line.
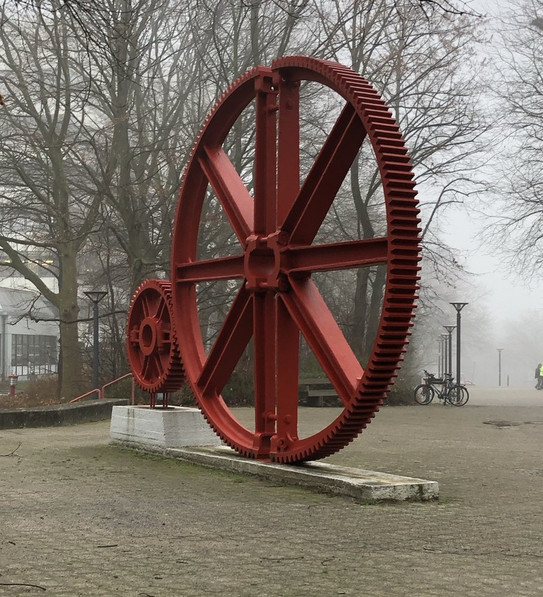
(14,451)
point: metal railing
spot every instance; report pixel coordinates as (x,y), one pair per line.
(102,391)
(111,383)
(89,393)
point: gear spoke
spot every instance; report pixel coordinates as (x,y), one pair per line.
(265,369)
(332,256)
(229,189)
(325,177)
(157,365)
(321,331)
(288,339)
(148,371)
(231,341)
(288,151)
(160,310)
(265,165)
(222,268)
(145,306)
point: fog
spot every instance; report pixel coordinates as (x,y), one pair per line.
(505,307)
(505,310)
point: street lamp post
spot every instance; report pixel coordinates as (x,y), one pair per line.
(95,296)
(449,329)
(499,366)
(443,338)
(442,354)
(3,351)
(458,307)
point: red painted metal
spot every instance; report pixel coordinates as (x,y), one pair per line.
(153,399)
(109,384)
(12,383)
(276,224)
(97,391)
(151,341)
(101,392)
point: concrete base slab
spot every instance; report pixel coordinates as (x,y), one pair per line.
(183,433)
(362,485)
(161,428)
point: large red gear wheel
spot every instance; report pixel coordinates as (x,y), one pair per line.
(275,230)
(151,342)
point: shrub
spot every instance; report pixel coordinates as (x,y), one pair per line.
(44,388)
(401,393)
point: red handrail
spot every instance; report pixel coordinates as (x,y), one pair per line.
(110,383)
(102,393)
(88,394)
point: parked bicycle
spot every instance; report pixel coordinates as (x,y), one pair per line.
(444,388)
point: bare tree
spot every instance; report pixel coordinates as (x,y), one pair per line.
(137,86)
(140,92)
(49,205)
(418,65)
(142,83)
(516,211)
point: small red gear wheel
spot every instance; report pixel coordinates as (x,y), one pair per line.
(152,348)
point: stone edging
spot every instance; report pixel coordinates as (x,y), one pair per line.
(58,414)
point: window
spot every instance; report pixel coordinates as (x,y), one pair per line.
(33,354)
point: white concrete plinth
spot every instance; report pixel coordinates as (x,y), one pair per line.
(161,428)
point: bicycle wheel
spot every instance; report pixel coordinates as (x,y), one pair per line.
(458,395)
(424,394)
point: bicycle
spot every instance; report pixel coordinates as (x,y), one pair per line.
(445,389)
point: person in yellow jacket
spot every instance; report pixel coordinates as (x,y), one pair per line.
(539,377)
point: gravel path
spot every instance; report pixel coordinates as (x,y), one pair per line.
(79,517)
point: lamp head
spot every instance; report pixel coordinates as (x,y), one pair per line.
(95,295)
(459,306)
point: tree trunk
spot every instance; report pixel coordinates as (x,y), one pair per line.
(374,315)
(360,311)
(71,379)
(70,363)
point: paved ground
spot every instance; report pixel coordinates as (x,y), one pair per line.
(79,517)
